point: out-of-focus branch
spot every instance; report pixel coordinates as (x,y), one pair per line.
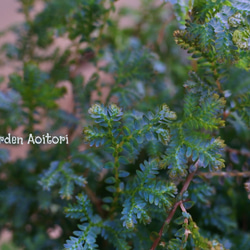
(226,174)
(239,152)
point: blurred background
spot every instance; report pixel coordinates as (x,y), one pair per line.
(138,23)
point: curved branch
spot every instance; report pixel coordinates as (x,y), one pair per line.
(178,203)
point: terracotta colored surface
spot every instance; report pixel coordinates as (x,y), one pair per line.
(8,13)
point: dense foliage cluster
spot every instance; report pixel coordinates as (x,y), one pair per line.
(162,157)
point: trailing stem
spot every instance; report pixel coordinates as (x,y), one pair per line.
(175,206)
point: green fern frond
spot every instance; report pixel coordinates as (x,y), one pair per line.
(61,173)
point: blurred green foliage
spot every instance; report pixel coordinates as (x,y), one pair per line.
(164,153)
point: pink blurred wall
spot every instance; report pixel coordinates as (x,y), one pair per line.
(9,14)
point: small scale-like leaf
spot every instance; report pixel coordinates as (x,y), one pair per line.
(108,199)
(123,174)
(123,160)
(111,189)
(110,180)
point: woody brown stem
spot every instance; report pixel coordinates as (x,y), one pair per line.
(236,151)
(226,174)
(175,206)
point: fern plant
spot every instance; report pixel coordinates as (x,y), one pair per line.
(158,153)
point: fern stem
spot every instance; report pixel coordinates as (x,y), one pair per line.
(116,174)
(94,199)
(236,151)
(178,203)
(167,221)
(225,174)
(162,30)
